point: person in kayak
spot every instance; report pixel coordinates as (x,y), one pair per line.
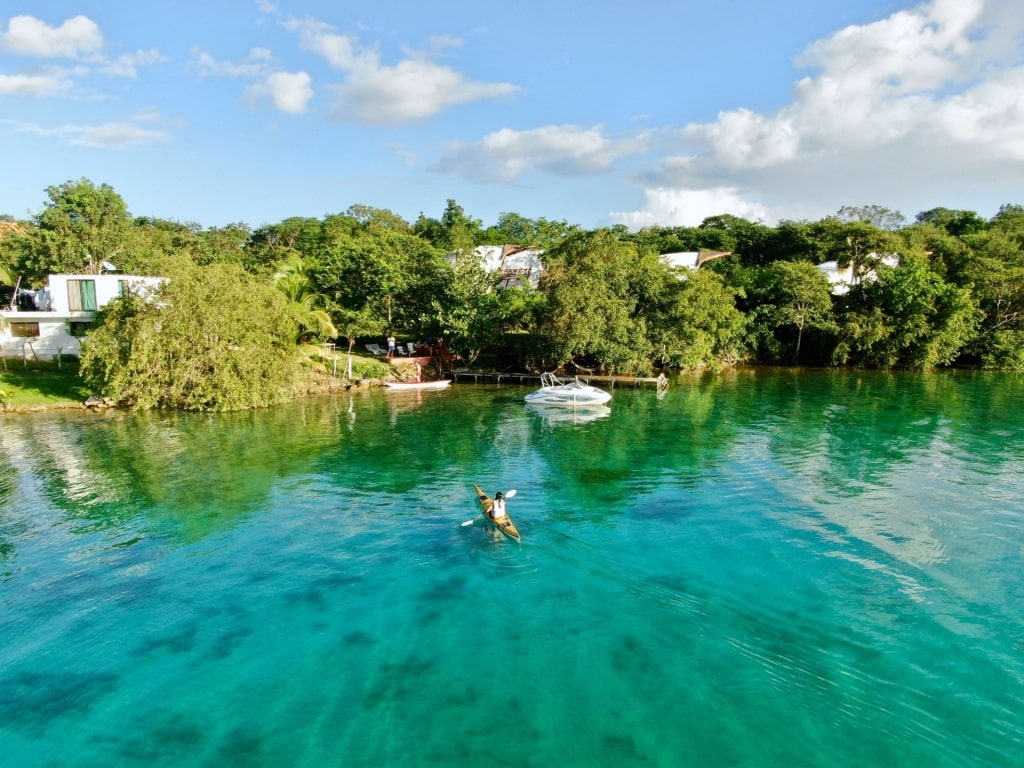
(498,509)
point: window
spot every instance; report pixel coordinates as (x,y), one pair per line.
(24,330)
(82,295)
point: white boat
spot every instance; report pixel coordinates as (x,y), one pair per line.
(572,393)
(402,385)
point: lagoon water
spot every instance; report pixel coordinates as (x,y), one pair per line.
(762,568)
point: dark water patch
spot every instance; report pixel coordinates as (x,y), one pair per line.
(359,639)
(242,747)
(169,741)
(464,698)
(36,700)
(182,640)
(393,681)
(127,542)
(428,615)
(442,591)
(228,642)
(622,749)
(630,656)
(311,598)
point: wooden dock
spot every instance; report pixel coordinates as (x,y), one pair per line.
(481,377)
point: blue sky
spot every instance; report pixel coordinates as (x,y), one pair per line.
(637,113)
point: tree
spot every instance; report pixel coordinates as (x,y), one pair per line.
(875,215)
(994,271)
(271,245)
(468,313)
(699,325)
(590,315)
(752,241)
(801,298)
(366,267)
(211,339)
(954,222)
(80,227)
(852,243)
(305,304)
(909,317)
(455,231)
(519,230)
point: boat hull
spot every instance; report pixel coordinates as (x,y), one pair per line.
(571,396)
(505,525)
(554,391)
(399,386)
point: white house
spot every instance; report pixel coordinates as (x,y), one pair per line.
(50,321)
(514,265)
(841,280)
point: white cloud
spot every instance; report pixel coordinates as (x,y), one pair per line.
(563,150)
(127,64)
(31,85)
(110,135)
(256,64)
(28,36)
(908,101)
(670,207)
(377,94)
(289,92)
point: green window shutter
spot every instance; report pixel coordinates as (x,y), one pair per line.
(89,295)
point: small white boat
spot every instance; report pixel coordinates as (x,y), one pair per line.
(403,385)
(572,393)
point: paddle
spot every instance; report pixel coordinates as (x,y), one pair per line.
(508,495)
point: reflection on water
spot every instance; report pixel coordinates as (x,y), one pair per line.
(563,414)
(807,560)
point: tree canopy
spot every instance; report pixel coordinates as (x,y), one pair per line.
(946,289)
(212,338)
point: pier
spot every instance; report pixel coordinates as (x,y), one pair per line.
(480,377)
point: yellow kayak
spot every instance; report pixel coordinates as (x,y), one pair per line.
(505,524)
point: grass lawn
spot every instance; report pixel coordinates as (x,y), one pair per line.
(40,384)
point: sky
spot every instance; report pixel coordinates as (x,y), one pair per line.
(642,113)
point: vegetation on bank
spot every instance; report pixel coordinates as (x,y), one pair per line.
(222,332)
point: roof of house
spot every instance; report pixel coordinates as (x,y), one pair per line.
(11,227)
(693,259)
(514,264)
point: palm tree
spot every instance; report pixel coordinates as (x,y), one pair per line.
(305,303)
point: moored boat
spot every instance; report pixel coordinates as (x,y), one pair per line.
(401,385)
(503,524)
(573,393)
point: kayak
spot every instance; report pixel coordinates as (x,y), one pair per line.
(505,525)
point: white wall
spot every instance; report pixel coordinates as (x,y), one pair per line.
(55,324)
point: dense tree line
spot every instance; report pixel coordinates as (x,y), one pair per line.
(944,290)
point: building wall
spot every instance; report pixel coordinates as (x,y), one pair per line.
(58,329)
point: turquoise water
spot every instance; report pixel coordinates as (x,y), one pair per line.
(757,569)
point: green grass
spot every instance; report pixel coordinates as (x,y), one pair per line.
(364,365)
(41,384)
